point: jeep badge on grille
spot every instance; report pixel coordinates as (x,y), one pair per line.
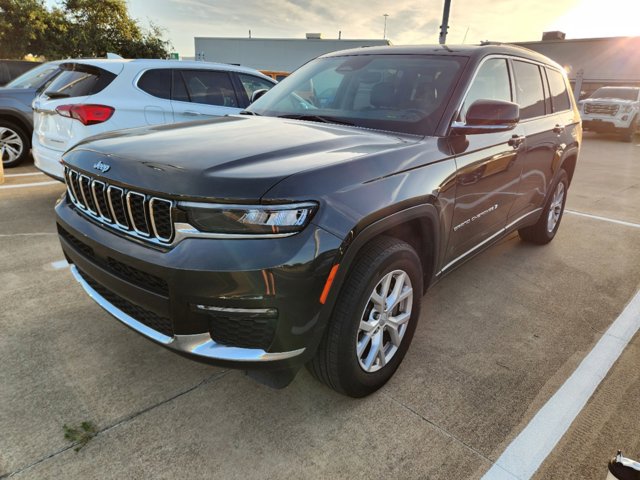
(103,167)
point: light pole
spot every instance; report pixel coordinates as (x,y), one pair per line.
(445,22)
(384,35)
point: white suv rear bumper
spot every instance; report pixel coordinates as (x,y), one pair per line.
(47,160)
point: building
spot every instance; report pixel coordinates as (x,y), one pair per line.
(274,54)
(593,62)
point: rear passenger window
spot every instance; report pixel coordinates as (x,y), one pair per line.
(490,83)
(530,95)
(559,93)
(78,80)
(156,83)
(179,92)
(210,87)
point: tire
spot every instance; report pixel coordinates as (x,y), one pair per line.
(543,231)
(628,134)
(337,363)
(14,144)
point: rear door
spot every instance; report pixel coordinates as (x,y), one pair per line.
(155,100)
(76,83)
(203,93)
(488,176)
(545,115)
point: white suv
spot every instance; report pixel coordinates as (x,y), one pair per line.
(612,109)
(91,97)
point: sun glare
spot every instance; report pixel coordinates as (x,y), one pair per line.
(595,18)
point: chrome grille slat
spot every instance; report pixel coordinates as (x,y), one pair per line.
(98,189)
(115,197)
(75,184)
(134,213)
(602,109)
(140,225)
(67,178)
(85,188)
(159,229)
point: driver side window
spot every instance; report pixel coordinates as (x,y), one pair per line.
(491,83)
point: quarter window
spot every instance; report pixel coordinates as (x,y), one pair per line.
(251,84)
(156,83)
(210,87)
(490,83)
(559,94)
(530,95)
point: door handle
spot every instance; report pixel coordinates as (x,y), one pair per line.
(516,141)
(558,129)
(191,113)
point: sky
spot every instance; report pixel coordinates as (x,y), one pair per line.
(408,21)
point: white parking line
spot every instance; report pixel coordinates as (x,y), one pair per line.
(530,448)
(59,265)
(9,175)
(35,184)
(604,219)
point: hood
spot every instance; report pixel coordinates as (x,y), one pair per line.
(617,101)
(230,159)
(17,92)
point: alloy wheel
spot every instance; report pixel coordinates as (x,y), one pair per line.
(384,321)
(555,209)
(11,145)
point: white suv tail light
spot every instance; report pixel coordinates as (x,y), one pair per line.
(86,114)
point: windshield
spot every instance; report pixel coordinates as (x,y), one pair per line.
(35,77)
(619,93)
(401,93)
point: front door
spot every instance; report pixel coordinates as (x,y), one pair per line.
(488,173)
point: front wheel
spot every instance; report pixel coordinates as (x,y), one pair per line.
(627,135)
(546,227)
(373,321)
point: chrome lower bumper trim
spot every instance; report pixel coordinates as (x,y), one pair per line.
(199,345)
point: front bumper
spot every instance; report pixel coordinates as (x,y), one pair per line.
(157,292)
(606,123)
(199,345)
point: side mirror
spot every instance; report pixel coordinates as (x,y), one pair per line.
(485,116)
(257,94)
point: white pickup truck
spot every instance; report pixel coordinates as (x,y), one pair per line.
(612,109)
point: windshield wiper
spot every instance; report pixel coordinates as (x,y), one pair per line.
(316,118)
(248,112)
(57,94)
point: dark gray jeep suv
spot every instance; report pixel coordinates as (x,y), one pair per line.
(307,230)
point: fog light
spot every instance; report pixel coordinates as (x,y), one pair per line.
(240,327)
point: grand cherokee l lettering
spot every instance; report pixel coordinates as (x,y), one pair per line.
(307,229)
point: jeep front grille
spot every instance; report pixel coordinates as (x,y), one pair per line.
(601,109)
(134,213)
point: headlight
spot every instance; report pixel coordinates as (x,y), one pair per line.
(249,220)
(627,109)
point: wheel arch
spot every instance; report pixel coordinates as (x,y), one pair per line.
(18,121)
(569,164)
(417,226)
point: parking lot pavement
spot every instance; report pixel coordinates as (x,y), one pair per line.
(609,422)
(608,185)
(496,339)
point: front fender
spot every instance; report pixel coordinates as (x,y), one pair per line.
(429,218)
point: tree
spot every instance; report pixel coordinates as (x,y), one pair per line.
(79,28)
(22,22)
